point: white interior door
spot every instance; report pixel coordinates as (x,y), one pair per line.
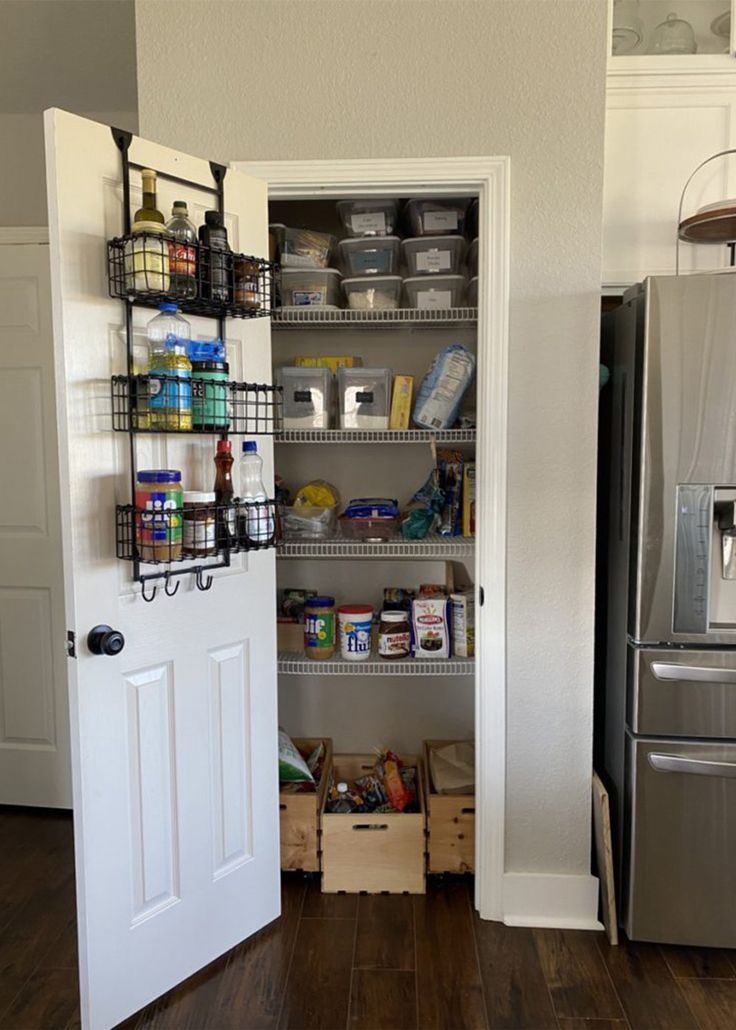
(174,743)
(34,724)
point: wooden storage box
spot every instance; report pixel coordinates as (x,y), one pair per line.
(450,824)
(300,815)
(373,852)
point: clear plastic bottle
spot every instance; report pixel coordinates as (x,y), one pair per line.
(183,252)
(255,520)
(169,400)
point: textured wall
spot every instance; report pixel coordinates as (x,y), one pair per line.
(269,79)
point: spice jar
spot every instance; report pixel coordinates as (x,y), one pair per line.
(245,282)
(198,537)
(158,517)
(147,259)
(394,637)
(319,627)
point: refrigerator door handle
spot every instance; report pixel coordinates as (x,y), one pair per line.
(696,766)
(692,673)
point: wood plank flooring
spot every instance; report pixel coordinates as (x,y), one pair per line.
(355,963)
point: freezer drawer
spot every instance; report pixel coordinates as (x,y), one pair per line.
(681,883)
(683,693)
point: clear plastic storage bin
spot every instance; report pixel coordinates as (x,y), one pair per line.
(369,529)
(435,291)
(434,255)
(304,248)
(371,217)
(364,397)
(473,292)
(473,257)
(310,287)
(370,255)
(373,293)
(308,397)
(308,523)
(436,217)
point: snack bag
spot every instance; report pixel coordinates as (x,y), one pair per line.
(396,789)
(292,767)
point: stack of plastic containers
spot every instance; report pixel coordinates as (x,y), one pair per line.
(307,280)
(370,254)
(435,253)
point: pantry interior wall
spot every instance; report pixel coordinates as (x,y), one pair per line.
(446,78)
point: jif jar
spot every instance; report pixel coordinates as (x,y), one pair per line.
(319,628)
(158,517)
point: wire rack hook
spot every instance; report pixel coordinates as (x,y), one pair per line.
(203,584)
(167,584)
(144,595)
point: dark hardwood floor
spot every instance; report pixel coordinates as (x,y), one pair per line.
(356,963)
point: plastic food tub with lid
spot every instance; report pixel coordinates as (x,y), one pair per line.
(370,255)
(434,255)
(304,248)
(435,291)
(437,217)
(364,397)
(310,287)
(370,217)
(307,397)
(373,293)
(303,522)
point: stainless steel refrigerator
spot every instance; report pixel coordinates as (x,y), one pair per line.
(669,746)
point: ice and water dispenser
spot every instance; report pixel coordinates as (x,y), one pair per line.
(705,566)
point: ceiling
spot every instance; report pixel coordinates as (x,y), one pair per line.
(75,54)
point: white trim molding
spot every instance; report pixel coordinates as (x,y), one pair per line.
(20,234)
(488,179)
(554,900)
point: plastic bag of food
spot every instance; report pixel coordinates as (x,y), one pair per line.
(424,511)
(292,767)
(395,788)
(442,390)
(317,494)
(305,248)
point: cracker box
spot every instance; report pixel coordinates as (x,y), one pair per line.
(401,402)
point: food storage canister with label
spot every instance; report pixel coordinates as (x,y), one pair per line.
(158,517)
(435,291)
(434,255)
(310,287)
(436,217)
(371,217)
(305,248)
(307,397)
(371,255)
(364,397)
(373,293)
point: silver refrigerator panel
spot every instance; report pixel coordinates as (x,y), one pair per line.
(686,460)
(682,693)
(681,878)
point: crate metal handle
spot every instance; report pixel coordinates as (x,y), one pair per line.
(467,811)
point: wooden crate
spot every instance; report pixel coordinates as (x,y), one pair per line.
(450,825)
(300,816)
(373,852)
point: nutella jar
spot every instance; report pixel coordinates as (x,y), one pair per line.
(394,639)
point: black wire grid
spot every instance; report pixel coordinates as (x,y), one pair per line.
(196,403)
(151,268)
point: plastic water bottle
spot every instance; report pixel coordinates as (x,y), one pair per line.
(256,520)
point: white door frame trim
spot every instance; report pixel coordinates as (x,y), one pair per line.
(488,177)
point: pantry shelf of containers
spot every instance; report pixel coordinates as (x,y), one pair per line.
(374,435)
(432,546)
(295,663)
(320,318)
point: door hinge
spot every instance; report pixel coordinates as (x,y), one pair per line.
(481,596)
(71,644)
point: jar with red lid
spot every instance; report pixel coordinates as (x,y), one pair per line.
(355,624)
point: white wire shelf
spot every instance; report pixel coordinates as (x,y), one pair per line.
(374,435)
(294,663)
(295,318)
(433,546)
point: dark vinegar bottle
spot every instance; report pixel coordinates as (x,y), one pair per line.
(216,262)
(226,521)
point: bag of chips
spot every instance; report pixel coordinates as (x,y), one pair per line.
(292,767)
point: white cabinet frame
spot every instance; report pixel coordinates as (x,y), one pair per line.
(488,178)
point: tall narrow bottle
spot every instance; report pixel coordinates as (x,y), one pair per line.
(183,252)
(148,212)
(215,259)
(255,517)
(226,520)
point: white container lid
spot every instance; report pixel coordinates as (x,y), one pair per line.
(312,272)
(369,242)
(373,282)
(198,497)
(394,616)
(434,282)
(433,242)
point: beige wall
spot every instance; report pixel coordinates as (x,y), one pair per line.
(277,79)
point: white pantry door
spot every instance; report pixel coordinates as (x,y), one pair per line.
(174,740)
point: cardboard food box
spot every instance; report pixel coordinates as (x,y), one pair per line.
(469,499)
(462,614)
(331,361)
(401,402)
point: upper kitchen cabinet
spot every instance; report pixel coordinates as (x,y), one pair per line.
(671,103)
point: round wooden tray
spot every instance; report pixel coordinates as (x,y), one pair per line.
(718,225)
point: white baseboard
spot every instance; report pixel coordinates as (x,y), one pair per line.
(551,900)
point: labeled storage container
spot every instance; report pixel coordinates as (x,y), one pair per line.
(300,814)
(437,291)
(450,823)
(304,248)
(373,293)
(473,292)
(430,255)
(376,851)
(370,255)
(310,288)
(364,397)
(299,522)
(370,217)
(307,397)
(473,257)
(436,217)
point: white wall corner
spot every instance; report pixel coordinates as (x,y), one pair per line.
(551,900)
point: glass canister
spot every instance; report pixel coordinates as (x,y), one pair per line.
(199,538)
(147,259)
(209,395)
(319,627)
(674,36)
(158,519)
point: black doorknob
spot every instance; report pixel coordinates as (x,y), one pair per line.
(105,640)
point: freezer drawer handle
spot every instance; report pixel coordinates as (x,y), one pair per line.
(692,673)
(697,766)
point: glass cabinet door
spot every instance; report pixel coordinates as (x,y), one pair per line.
(671,28)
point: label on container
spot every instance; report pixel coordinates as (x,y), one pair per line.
(364,261)
(182,259)
(209,399)
(434,261)
(319,630)
(440,221)
(434,299)
(199,534)
(355,636)
(364,396)
(160,519)
(394,645)
(305,298)
(368,222)
(438,407)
